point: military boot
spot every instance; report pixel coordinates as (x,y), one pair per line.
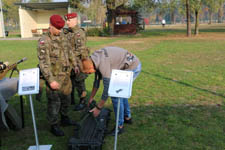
(81,105)
(56,130)
(66,121)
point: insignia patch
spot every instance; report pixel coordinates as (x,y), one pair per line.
(42,51)
(130,57)
(42,42)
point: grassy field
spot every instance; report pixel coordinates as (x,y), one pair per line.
(178,101)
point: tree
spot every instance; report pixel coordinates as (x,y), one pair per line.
(163,8)
(173,4)
(182,9)
(11,15)
(188,14)
(196,6)
(221,10)
(96,11)
(212,8)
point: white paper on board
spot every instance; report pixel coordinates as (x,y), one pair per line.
(120,83)
(28,81)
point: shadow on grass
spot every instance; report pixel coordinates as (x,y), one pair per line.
(175,128)
(161,32)
(212,30)
(166,32)
(185,84)
(154,127)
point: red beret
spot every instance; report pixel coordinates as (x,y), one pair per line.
(70,16)
(57,21)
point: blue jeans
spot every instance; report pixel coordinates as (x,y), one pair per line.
(124,105)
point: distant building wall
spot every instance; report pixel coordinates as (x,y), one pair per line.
(36,20)
(28,21)
(44,15)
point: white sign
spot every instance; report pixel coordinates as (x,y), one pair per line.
(87,21)
(29,81)
(41,147)
(120,83)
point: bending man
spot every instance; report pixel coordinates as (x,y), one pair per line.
(102,62)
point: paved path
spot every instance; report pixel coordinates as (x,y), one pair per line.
(8,39)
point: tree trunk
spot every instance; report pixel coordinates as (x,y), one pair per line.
(112,23)
(111,15)
(111,20)
(220,14)
(210,17)
(196,22)
(188,18)
(173,18)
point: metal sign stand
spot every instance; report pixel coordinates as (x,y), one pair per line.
(120,86)
(37,147)
(29,84)
(117,122)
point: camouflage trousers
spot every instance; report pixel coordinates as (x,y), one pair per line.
(58,103)
(78,83)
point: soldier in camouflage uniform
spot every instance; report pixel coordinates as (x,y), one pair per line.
(77,39)
(56,61)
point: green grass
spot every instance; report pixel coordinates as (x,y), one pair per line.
(178,101)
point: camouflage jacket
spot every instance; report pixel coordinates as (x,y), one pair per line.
(56,58)
(77,38)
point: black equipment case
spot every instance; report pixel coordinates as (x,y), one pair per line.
(90,134)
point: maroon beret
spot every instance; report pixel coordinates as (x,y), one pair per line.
(57,21)
(70,16)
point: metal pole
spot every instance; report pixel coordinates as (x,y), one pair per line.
(117,122)
(34,123)
(22,110)
(2,20)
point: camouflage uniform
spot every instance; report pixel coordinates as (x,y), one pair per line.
(56,61)
(78,39)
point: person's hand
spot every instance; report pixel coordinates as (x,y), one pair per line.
(95,111)
(89,101)
(54,85)
(6,63)
(77,70)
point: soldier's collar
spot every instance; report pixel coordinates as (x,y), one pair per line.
(54,37)
(75,28)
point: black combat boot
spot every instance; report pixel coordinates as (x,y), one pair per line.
(65,121)
(56,130)
(81,105)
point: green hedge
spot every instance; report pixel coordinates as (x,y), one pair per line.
(97,32)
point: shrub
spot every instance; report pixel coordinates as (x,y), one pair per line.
(105,32)
(93,32)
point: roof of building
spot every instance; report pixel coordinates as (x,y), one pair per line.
(47,6)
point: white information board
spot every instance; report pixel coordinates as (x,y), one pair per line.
(120,83)
(28,81)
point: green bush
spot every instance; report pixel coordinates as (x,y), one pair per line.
(93,32)
(105,32)
(98,32)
